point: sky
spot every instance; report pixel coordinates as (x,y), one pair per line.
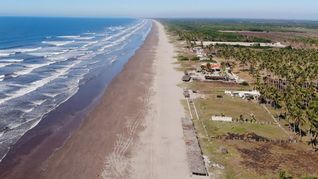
(260,9)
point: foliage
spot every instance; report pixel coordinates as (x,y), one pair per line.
(244,83)
(182,58)
(299,69)
(284,175)
(207,32)
(195,59)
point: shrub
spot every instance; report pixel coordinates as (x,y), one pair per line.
(283,175)
(244,83)
(195,59)
(182,58)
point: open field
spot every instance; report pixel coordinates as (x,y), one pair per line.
(246,159)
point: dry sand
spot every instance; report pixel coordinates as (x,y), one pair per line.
(161,151)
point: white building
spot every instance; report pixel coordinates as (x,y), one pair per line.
(221,118)
(244,94)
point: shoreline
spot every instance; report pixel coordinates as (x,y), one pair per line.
(135,131)
(39,145)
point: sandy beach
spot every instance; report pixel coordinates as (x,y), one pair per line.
(161,151)
(134,131)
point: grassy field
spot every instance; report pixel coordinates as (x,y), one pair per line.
(245,159)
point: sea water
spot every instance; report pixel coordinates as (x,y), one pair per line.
(43,62)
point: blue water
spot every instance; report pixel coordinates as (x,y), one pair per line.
(43,62)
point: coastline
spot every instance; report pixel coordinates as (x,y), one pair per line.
(135,129)
(32,156)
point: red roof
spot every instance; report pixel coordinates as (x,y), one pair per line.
(215,65)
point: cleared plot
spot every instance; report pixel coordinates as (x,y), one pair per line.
(231,106)
(222,128)
(246,159)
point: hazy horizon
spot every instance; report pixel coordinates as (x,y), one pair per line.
(240,9)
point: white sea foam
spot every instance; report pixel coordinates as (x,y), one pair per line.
(69,36)
(85,38)
(105,47)
(49,51)
(4,64)
(45,54)
(5,54)
(39,102)
(116,28)
(29,69)
(27,110)
(2,77)
(11,60)
(14,125)
(77,37)
(90,43)
(66,55)
(23,50)
(89,33)
(113,60)
(8,52)
(123,36)
(58,43)
(37,84)
(88,55)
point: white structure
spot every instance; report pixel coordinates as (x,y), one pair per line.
(244,94)
(246,44)
(221,118)
(199,52)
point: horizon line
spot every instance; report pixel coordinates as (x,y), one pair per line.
(136,17)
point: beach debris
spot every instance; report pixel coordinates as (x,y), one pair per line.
(216,165)
(247,137)
(223,150)
(196,160)
(219,96)
(186,93)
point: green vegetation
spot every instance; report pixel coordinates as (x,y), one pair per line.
(182,58)
(205,32)
(284,175)
(195,59)
(224,29)
(298,69)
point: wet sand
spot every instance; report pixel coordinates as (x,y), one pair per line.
(117,113)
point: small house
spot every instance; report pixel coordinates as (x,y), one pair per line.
(222,118)
(186,78)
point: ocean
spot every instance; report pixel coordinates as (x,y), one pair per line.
(44,62)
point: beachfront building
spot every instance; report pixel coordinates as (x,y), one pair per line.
(186,78)
(221,118)
(249,95)
(199,51)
